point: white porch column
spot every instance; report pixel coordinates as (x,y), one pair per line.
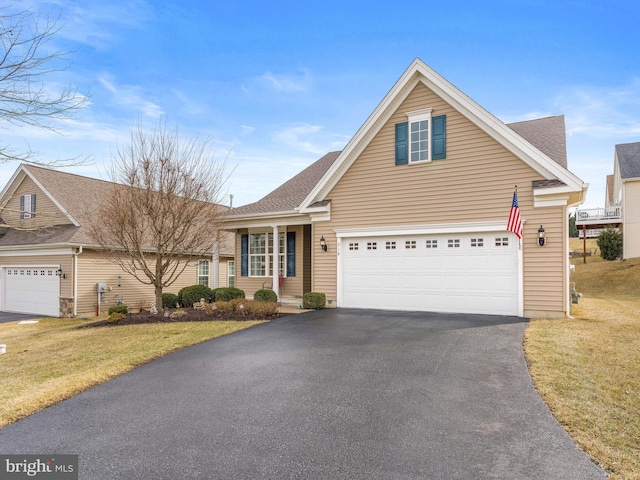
(276,261)
(215,266)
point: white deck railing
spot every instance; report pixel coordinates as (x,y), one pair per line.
(606,214)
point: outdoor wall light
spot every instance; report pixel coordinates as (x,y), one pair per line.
(323,244)
(60,273)
(542,241)
(119,280)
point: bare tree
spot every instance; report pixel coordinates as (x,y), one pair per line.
(163,211)
(25,61)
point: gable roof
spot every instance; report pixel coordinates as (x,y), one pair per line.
(628,155)
(419,72)
(76,196)
(547,134)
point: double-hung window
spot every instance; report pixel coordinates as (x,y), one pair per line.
(257,254)
(28,206)
(422,138)
(203,272)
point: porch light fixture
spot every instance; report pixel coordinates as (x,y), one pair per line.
(323,244)
(119,280)
(542,241)
(60,273)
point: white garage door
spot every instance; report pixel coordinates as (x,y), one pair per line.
(465,273)
(32,289)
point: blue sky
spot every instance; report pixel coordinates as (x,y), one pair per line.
(275,85)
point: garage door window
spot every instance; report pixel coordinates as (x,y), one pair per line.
(431,244)
(453,243)
(477,242)
(502,242)
(410,245)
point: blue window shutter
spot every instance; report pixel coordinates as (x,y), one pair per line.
(439,137)
(402,140)
(21,206)
(33,205)
(244,256)
(291,254)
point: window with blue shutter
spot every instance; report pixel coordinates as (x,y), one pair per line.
(417,149)
(439,137)
(244,255)
(402,138)
(291,254)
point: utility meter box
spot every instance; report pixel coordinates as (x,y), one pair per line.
(102,287)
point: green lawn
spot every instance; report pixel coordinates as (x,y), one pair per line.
(587,368)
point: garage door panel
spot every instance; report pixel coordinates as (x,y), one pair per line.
(31,289)
(475,277)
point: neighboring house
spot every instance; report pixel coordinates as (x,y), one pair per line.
(48,265)
(412,214)
(622,201)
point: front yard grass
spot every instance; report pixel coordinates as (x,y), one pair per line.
(587,370)
(55,359)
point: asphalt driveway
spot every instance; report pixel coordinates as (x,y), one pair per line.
(6,317)
(335,394)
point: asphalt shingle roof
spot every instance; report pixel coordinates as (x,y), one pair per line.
(546,134)
(80,197)
(629,159)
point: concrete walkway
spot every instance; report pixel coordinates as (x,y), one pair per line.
(332,394)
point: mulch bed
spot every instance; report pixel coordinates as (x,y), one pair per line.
(191,315)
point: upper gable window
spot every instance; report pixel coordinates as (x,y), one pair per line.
(422,138)
(28,206)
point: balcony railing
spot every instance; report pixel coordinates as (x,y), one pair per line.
(599,215)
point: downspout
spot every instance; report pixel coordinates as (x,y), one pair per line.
(75,280)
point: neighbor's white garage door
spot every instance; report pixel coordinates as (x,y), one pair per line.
(465,273)
(32,289)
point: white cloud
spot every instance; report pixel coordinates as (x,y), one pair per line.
(131,96)
(310,138)
(604,112)
(284,83)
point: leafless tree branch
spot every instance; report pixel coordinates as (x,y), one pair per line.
(163,211)
(25,62)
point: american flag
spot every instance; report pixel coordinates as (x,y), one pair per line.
(514,224)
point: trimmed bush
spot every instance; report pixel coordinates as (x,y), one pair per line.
(123,309)
(260,310)
(187,296)
(314,300)
(610,244)
(169,300)
(228,293)
(265,295)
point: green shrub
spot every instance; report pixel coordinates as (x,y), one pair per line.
(169,300)
(610,244)
(228,293)
(123,309)
(314,300)
(265,295)
(187,296)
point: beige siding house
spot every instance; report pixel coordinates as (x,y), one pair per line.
(412,214)
(622,199)
(48,264)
